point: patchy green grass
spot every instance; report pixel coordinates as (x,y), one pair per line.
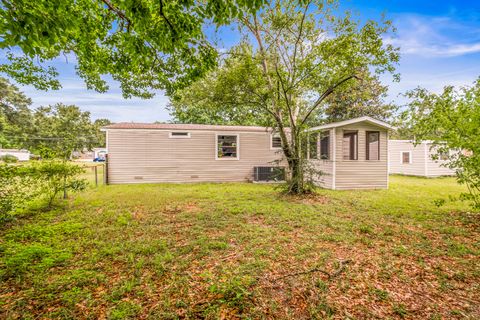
(213,251)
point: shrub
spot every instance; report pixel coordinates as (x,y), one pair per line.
(19,185)
(8,158)
(56,176)
(17,188)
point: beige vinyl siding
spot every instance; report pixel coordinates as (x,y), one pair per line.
(361,173)
(436,168)
(418,154)
(150,156)
(354,174)
(422,163)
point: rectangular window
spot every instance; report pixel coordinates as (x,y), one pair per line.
(325,145)
(373,145)
(406,157)
(227,147)
(179,134)
(276,141)
(350,145)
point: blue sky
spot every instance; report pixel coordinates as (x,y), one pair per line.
(439,41)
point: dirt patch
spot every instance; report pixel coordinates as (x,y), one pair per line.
(308,199)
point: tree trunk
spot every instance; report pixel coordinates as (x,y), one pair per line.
(295,165)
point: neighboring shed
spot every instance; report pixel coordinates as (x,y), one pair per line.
(351,154)
(150,153)
(417,160)
(20,154)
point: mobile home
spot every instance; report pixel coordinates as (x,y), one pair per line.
(352,154)
(421,159)
(152,153)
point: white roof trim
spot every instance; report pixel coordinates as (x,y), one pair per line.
(351,121)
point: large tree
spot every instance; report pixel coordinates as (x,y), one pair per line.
(221,97)
(357,99)
(62,129)
(451,121)
(143,44)
(15,115)
(298,53)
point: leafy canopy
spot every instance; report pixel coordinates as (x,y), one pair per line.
(451,120)
(143,44)
(15,116)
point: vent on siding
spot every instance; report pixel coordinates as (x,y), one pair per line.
(269,174)
(138,178)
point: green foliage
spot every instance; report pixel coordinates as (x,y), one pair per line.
(44,180)
(285,69)
(52,132)
(15,116)
(8,158)
(144,45)
(63,129)
(20,258)
(57,176)
(451,120)
(353,100)
(18,186)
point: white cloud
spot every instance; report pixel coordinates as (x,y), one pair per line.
(435,36)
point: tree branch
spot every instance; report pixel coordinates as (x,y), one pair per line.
(324,95)
(118,12)
(170,25)
(287,100)
(336,273)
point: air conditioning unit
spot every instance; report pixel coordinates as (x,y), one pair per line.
(268,174)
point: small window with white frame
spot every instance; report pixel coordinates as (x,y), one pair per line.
(227,147)
(179,134)
(406,157)
(275,141)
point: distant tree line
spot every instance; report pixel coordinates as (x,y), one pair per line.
(49,131)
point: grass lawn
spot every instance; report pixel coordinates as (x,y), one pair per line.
(243,251)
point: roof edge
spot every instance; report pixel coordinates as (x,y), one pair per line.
(179,126)
(352,121)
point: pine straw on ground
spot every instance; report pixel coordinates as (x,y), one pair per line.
(234,251)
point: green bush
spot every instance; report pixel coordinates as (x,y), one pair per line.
(17,188)
(42,180)
(8,158)
(57,176)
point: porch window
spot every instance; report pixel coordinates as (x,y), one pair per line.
(313,146)
(406,157)
(227,147)
(325,145)
(373,145)
(350,145)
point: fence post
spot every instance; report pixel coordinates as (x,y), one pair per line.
(96,178)
(105,171)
